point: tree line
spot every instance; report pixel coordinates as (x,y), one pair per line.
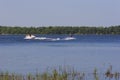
(60,30)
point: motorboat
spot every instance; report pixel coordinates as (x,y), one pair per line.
(29,36)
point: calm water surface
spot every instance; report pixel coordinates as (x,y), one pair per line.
(84,54)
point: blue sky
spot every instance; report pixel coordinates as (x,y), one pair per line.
(59,12)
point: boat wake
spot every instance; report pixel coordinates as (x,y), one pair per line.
(46,39)
(69,38)
(32,37)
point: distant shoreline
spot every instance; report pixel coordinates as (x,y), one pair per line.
(81,30)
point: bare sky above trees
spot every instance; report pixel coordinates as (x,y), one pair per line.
(59,12)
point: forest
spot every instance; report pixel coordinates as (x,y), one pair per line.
(60,30)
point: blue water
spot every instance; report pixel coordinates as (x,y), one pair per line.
(84,54)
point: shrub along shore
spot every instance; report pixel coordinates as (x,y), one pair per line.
(60,30)
(63,73)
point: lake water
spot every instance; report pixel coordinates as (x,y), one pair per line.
(84,54)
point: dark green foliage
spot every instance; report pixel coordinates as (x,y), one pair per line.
(60,30)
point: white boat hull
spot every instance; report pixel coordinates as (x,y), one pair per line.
(29,37)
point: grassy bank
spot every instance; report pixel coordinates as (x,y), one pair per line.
(62,74)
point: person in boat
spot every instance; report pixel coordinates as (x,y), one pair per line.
(29,36)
